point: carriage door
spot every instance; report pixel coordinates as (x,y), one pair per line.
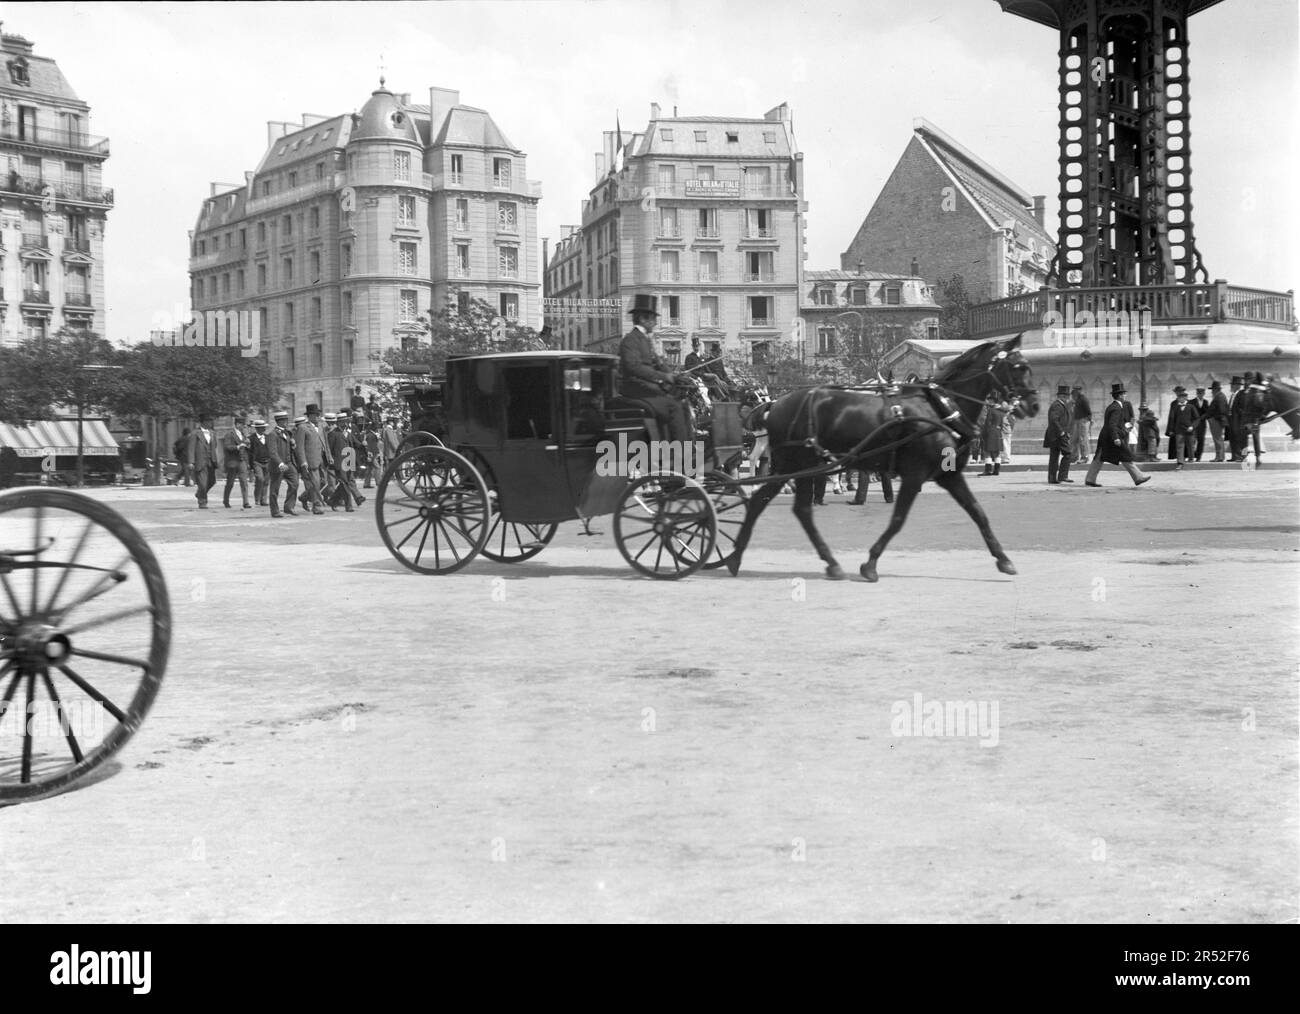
(531,480)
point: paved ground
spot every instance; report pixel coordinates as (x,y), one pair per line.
(339,739)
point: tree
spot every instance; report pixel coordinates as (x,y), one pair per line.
(956,303)
(774,364)
(475,330)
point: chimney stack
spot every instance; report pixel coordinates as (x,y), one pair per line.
(916,268)
(654,110)
(674,112)
(862,267)
(1040,206)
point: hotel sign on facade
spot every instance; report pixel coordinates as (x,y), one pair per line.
(712,188)
(572,307)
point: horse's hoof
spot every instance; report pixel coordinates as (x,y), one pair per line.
(1006,566)
(869,572)
(835,572)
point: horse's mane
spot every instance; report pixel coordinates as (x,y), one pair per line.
(969,358)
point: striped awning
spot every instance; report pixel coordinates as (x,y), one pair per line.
(37,439)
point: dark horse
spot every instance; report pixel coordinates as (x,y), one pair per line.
(1269,400)
(868,427)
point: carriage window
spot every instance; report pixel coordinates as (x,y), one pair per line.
(528,403)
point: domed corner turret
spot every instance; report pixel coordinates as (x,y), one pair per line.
(382,118)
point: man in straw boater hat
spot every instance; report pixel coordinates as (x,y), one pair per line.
(280,458)
(644,376)
(1112,442)
(257,452)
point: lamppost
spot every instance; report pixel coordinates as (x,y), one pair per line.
(772,374)
(1143,311)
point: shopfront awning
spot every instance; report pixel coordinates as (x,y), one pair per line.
(37,439)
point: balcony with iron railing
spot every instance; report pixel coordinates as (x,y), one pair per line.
(669,275)
(757,233)
(74,193)
(631,190)
(74,244)
(760,276)
(707,276)
(707,233)
(48,137)
(312,188)
(38,296)
(668,230)
(761,322)
(76,299)
(1202,303)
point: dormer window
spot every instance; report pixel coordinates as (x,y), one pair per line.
(18,71)
(825,296)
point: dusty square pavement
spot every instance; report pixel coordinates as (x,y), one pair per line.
(338,739)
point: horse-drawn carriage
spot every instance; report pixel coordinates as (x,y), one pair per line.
(520,442)
(85,628)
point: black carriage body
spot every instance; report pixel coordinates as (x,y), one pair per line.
(537,424)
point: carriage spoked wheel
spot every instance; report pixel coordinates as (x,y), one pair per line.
(432,510)
(515,541)
(665,525)
(419,438)
(85,629)
(731,503)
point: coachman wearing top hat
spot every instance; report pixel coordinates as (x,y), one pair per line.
(644,375)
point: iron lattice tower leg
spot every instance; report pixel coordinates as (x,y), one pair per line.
(1125,178)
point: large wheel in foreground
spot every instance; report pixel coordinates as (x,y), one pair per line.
(432,510)
(85,629)
(730,503)
(419,438)
(665,526)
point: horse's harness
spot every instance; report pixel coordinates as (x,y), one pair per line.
(938,397)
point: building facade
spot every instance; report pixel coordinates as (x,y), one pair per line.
(705,214)
(954,214)
(53,203)
(354,228)
(852,319)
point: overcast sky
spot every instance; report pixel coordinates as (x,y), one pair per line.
(184,92)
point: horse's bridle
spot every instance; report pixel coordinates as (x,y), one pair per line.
(1005,392)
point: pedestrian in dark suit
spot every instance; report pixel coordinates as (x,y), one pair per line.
(643,374)
(1081,437)
(236,447)
(312,456)
(1217,417)
(1112,444)
(204,454)
(1236,431)
(344,455)
(257,452)
(280,458)
(1181,429)
(1253,380)
(1202,407)
(1060,420)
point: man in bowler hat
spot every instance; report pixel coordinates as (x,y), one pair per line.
(1060,423)
(204,454)
(1181,428)
(644,375)
(313,458)
(1112,444)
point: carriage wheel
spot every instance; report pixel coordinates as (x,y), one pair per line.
(665,526)
(85,628)
(419,438)
(731,503)
(513,541)
(432,510)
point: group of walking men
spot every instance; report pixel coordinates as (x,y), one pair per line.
(323,454)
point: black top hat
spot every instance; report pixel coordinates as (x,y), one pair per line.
(1116,390)
(241,418)
(1180,390)
(1237,380)
(312,409)
(1215,385)
(1062,388)
(644,303)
